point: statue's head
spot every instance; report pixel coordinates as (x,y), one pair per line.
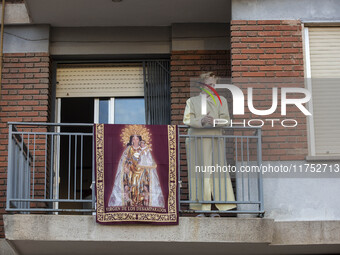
(208,78)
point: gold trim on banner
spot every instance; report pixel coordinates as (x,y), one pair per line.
(107,217)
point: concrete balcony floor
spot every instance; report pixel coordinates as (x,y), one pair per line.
(66,234)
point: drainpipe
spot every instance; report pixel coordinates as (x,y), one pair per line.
(2,41)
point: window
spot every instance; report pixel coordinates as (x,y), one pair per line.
(143,87)
(129,111)
(103,114)
(121,110)
(322,52)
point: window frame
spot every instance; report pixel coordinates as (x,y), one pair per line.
(308,76)
(312,155)
(110,111)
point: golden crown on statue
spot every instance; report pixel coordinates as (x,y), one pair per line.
(139,130)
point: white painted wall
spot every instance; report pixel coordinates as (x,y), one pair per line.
(285,9)
(301,199)
(110,40)
(26,38)
(201,36)
(296,196)
(15,14)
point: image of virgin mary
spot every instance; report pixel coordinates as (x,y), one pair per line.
(136,181)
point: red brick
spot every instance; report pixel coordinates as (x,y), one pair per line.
(254,74)
(238,22)
(25,81)
(253,68)
(13,76)
(288,50)
(234,56)
(252,51)
(251,33)
(41,64)
(190,68)
(24,114)
(238,33)
(240,69)
(291,22)
(252,39)
(29,70)
(269,33)
(240,45)
(29,92)
(253,57)
(11,97)
(30,60)
(288,62)
(270,45)
(31,102)
(288,74)
(12,108)
(39,119)
(270,68)
(270,56)
(288,39)
(269,22)
(286,28)
(252,62)
(17,65)
(40,97)
(189,57)
(234,28)
(41,54)
(251,28)
(11,55)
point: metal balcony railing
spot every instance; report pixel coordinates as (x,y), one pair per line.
(51,169)
(221,173)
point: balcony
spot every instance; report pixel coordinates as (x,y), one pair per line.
(50,198)
(51,169)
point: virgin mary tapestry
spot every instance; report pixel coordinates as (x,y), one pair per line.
(136,174)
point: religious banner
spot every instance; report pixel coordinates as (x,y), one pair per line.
(136,174)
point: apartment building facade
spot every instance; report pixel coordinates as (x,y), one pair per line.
(66,63)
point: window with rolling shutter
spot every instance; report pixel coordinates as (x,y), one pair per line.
(149,79)
(324,53)
(100,80)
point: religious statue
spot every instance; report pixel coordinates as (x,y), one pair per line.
(205,152)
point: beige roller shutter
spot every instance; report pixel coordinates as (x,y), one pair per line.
(324,46)
(100,80)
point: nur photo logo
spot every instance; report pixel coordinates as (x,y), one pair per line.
(279,99)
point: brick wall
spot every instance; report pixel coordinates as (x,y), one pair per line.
(25,97)
(267,49)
